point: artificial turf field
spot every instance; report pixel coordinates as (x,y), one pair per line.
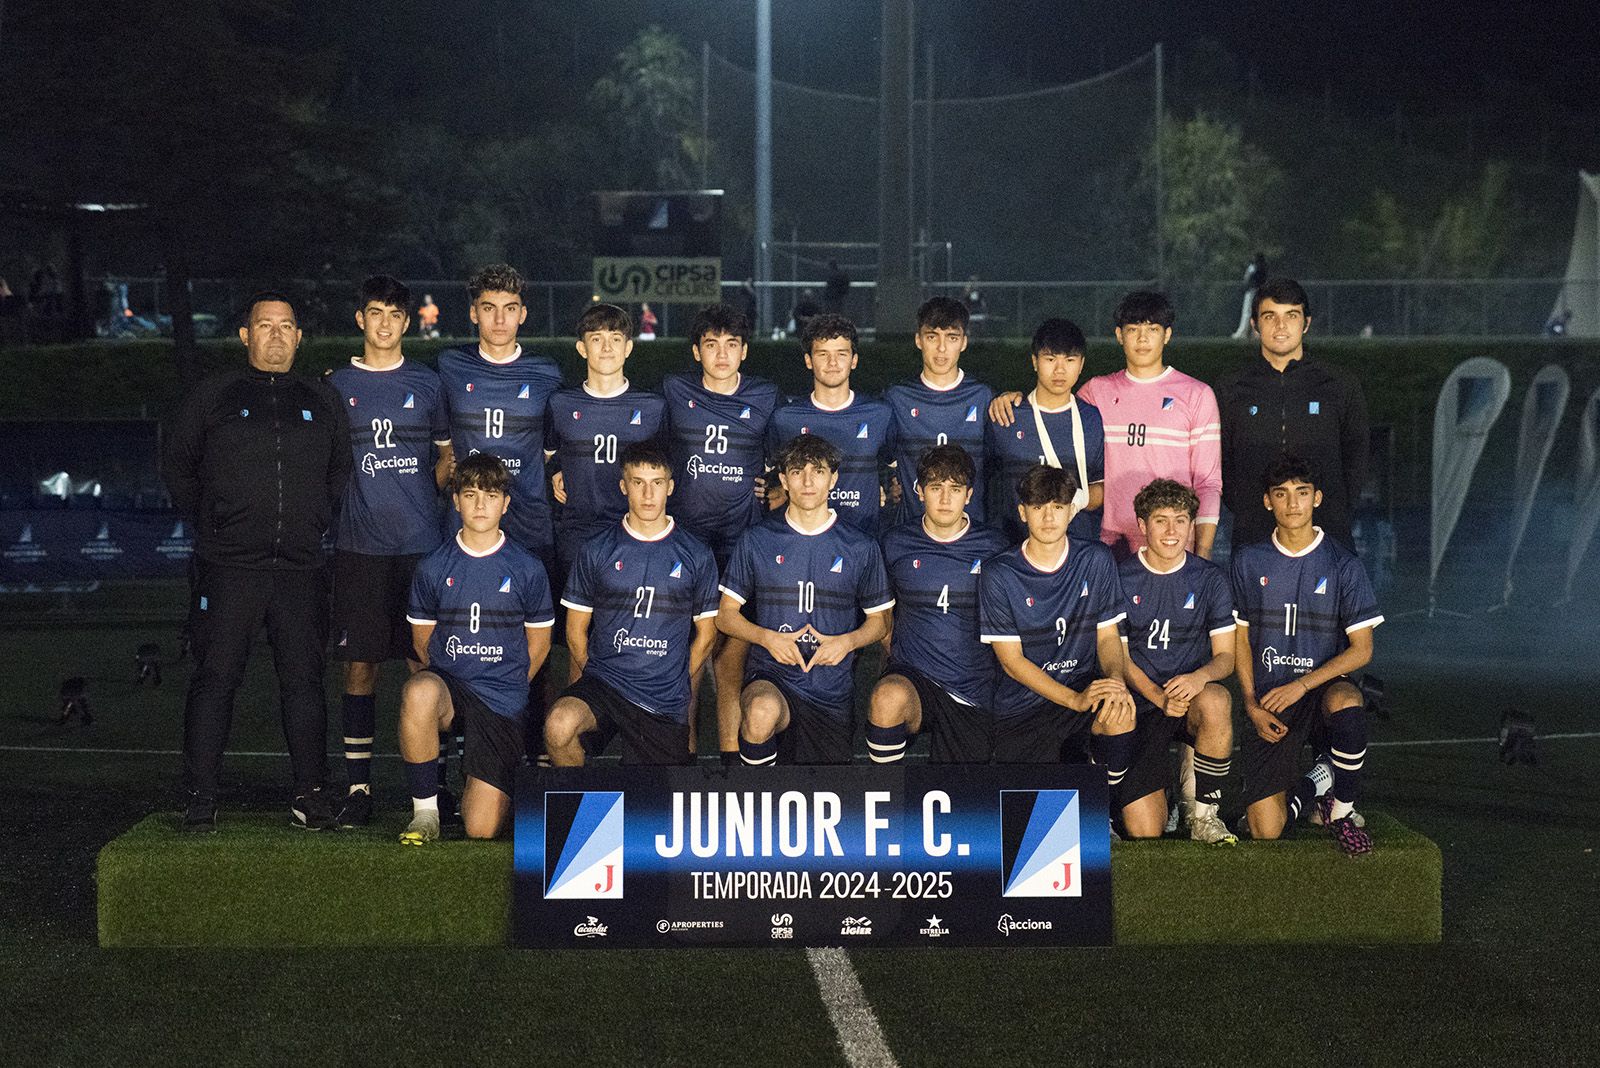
(1515,979)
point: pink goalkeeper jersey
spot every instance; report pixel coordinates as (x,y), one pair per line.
(1161,427)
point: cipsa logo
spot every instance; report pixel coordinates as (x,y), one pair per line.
(782,925)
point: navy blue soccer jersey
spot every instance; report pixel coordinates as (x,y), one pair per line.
(391,504)
(1172,617)
(481,606)
(1014,449)
(1056,615)
(925,417)
(1300,608)
(718,446)
(645,594)
(863,431)
(499,408)
(935,587)
(787,578)
(589,433)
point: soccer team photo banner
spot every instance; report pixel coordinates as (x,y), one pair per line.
(813,856)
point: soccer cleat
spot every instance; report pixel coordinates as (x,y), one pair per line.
(357,810)
(1206,826)
(200,816)
(424,828)
(1321,774)
(1351,839)
(311,811)
(1321,814)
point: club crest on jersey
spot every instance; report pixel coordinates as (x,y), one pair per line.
(576,414)
(913,413)
(522,394)
(805,430)
(1136,598)
(1020,434)
(469,387)
(411,401)
(505,584)
(778,559)
(861,431)
(450,580)
(244,413)
(1263,580)
(1255,409)
(1166,402)
(972,414)
(305,413)
(744,413)
(691,404)
(1315,407)
(637,418)
(618,565)
(838,565)
(1085,591)
(1322,585)
(977,568)
(1030,602)
(1189,602)
(677,569)
(352,402)
(915,563)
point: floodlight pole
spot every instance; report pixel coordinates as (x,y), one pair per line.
(705,114)
(763,235)
(897,292)
(1161,176)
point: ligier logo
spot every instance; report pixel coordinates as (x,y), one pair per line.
(1007,925)
(857,926)
(935,928)
(727,472)
(488,654)
(583,845)
(1039,845)
(649,646)
(591,927)
(1272,660)
(371,464)
(782,925)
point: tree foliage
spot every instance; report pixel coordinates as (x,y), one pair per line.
(1468,234)
(648,109)
(1220,198)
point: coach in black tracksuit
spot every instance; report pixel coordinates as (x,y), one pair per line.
(258,458)
(1286,403)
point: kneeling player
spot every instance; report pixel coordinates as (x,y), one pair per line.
(809,579)
(1180,640)
(1306,613)
(1051,609)
(939,678)
(480,619)
(649,591)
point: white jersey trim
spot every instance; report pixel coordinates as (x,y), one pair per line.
(1316,541)
(489,552)
(1363,625)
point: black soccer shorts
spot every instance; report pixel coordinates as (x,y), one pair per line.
(1274,767)
(814,735)
(646,737)
(369,606)
(493,745)
(957,733)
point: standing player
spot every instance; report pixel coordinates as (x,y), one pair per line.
(481,616)
(939,677)
(498,396)
(641,618)
(718,424)
(590,425)
(389,518)
(1180,640)
(1159,422)
(1306,614)
(861,428)
(1050,426)
(1051,608)
(807,579)
(941,406)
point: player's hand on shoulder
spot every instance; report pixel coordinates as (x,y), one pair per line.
(558,488)
(1002,407)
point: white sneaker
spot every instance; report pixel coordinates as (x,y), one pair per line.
(1206,826)
(424,828)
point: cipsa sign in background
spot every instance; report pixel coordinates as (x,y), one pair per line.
(850,856)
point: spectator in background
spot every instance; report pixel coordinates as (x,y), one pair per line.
(976,305)
(647,323)
(835,289)
(46,294)
(749,303)
(1255,274)
(428,317)
(805,309)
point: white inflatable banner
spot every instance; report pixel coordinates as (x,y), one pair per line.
(1542,409)
(1585,488)
(1468,407)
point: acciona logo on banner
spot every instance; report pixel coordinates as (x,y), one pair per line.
(1007,925)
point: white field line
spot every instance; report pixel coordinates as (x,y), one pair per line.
(860,1037)
(1407,743)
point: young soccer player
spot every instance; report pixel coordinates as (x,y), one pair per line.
(941,406)
(1180,633)
(480,616)
(1306,614)
(860,427)
(641,618)
(717,421)
(498,395)
(939,678)
(1159,423)
(1050,608)
(1052,427)
(807,579)
(400,448)
(590,425)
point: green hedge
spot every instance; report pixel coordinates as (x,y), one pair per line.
(1401,376)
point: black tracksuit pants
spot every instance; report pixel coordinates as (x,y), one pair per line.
(228,605)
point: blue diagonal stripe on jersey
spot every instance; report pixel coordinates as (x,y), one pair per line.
(596,831)
(1051,827)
